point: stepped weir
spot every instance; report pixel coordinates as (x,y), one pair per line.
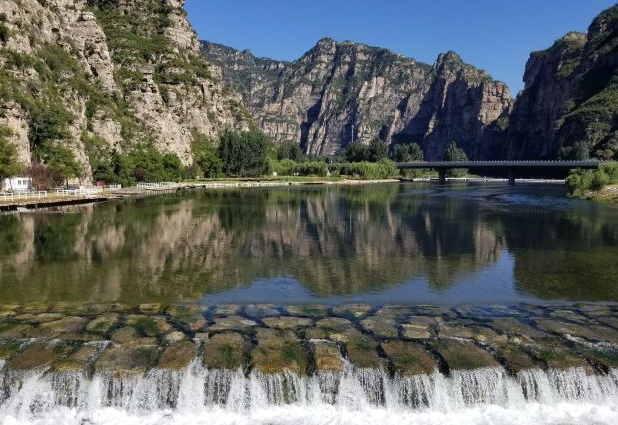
(276,365)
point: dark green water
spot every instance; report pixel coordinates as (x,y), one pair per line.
(408,243)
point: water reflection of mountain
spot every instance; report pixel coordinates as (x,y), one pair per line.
(334,241)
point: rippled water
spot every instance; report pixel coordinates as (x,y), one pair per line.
(391,243)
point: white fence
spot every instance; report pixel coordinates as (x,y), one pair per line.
(155,185)
(16,196)
(79,192)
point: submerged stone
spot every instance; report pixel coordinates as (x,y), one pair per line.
(225,351)
(514,327)
(286,322)
(38,355)
(227,310)
(312,310)
(277,352)
(354,311)
(178,356)
(409,359)
(9,348)
(461,355)
(38,318)
(19,331)
(589,332)
(126,360)
(259,311)
(326,356)
(231,323)
(103,324)
(477,333)
(605,357)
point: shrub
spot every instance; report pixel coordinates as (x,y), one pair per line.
(382,169)
(244,154)
(289,150)
(581,181)
(455,153)
(407,153)
(60,159)
(9,165)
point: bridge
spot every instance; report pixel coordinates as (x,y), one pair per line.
(511,168)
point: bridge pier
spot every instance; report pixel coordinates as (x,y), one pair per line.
(442,176)
(511,177)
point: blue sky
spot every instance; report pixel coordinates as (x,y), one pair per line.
(495,35)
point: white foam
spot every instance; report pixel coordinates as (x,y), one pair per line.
(356,396)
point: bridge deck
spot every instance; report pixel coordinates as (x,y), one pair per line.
(437,165)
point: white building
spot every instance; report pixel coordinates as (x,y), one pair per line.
(17,184)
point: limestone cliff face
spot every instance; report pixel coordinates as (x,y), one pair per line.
(114,72)
(568,108)
(339,89)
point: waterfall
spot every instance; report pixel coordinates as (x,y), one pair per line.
(354,395)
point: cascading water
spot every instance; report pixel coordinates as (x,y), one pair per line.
(197,395)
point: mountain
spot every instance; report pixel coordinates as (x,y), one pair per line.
(569,106)
(98,75)
(339,89)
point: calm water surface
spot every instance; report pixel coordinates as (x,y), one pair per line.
(392,243)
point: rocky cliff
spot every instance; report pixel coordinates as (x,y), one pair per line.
(569,107)
(107,74)
(337,90)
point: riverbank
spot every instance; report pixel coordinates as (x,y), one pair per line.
(607,194)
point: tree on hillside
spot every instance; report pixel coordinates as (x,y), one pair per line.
(9,165)
(377,150)
(408,152)
(454,153)
(61,160)
(356,152)
(289,150)
(244,154)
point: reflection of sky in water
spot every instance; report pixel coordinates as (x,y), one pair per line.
(489,285)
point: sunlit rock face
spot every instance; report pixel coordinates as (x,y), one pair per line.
(122,73)
(339,89)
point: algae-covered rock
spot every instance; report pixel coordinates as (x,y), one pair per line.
(277,352)
(103,324)
(326,327)
(150,308)
(477,333)
(38,318)
(361,349)
(126,360)
(174,337)
(286,322)
(149,325)
(557,356)
(231,323)
(189,318)
(461,355)
(19,331)
(326,356)
(79,360)
(409,359)
(9,348)
(38,356)
(225,351)
(514,358)
(419,327)
(128,335)
(178,356)
(383,325)
(68,324)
